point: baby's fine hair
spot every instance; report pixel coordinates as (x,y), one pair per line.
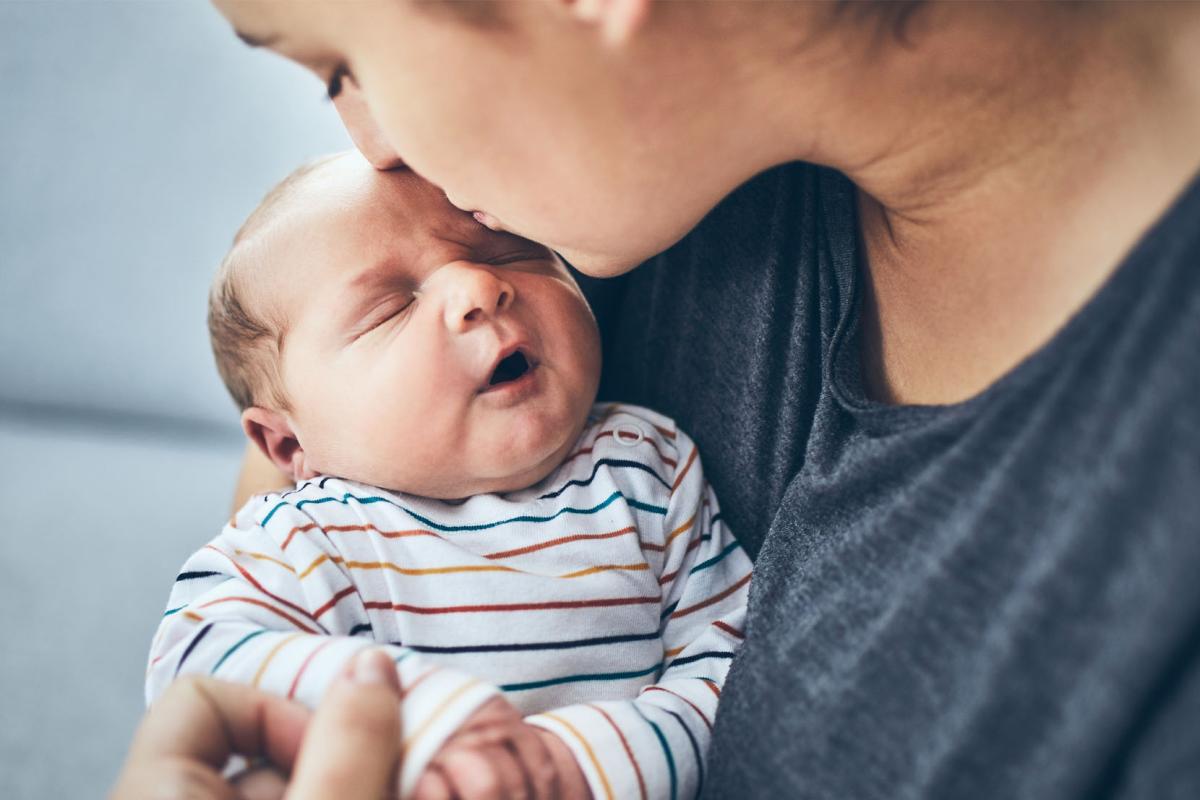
(246,341)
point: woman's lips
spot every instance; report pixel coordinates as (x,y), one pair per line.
(487,220)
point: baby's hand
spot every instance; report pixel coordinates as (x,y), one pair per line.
(496,755)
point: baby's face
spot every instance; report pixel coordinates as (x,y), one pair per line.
(423,352)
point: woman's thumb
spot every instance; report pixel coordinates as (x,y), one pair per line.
(353,742)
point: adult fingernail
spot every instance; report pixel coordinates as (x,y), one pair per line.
(374,667)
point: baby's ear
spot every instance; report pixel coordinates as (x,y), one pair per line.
(275,437)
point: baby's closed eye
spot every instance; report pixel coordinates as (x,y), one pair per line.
(393,308)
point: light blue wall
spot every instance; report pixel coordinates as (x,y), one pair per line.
(134,137)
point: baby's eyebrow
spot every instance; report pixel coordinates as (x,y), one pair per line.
(384,272)
(257,41)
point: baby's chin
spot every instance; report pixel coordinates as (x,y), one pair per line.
(513,478)
(459,487)
(502,473)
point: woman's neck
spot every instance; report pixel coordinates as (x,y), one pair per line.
(1007,160)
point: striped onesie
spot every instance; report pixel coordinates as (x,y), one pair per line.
(606,603)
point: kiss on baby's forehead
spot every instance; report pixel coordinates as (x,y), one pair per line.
(348,286)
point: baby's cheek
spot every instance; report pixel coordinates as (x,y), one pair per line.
(429,432)
(584,348)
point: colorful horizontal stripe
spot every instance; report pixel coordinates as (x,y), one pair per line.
(614,579)
(693,706)
(561,540)
(485,608)
(703,565)
(569,644)
(680,662)
(683,612)
(696,754)
(608,792)
(596,676)
(637,770)
(666,751)
(614,463)
(192,646)
(237,645)
(346,499)
(195,575)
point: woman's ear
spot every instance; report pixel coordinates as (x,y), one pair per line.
(273,434)
(617,20)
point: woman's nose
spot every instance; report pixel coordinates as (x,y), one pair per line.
(367,136)
(474,295)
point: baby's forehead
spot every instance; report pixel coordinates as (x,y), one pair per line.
(343,209)
(342,195)
(338,216)
(341,186)
(348,181)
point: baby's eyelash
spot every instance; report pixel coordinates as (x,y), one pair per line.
(513,258)
(334,86)
(376,319)
(395,313)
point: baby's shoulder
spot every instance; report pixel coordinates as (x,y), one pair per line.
(626,426)
(635,441)
(323,502)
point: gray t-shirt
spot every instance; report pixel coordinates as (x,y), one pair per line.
(997,598)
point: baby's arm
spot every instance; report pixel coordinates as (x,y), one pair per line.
(655,746)
(272,609)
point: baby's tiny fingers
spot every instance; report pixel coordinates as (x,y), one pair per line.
(485,773)
(513,780)
(432,785)
(541,775)
(469,774)
(492,733)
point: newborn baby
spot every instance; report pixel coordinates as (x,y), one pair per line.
(460,501)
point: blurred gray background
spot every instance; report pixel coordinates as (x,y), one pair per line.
(134,137)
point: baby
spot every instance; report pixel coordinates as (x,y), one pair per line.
(460,501)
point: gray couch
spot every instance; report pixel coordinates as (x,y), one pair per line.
(135,137)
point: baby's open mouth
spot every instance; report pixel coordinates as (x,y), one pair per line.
(510,369)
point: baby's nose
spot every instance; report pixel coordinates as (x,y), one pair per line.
(475,294)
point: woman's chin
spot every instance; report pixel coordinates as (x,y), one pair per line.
(598,265)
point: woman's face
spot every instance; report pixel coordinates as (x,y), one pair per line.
(517,111)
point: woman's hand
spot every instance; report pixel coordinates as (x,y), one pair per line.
(347,749)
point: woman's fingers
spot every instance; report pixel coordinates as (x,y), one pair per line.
(353,742)
(191,730)
(264,782)
(210,720)
(348,749)
(170,778)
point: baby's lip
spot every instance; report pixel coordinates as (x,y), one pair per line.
(517,346)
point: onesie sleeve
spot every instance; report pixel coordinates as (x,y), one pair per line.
(655,746)
(265,604)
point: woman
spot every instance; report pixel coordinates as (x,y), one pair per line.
(947,390)
(347,748)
